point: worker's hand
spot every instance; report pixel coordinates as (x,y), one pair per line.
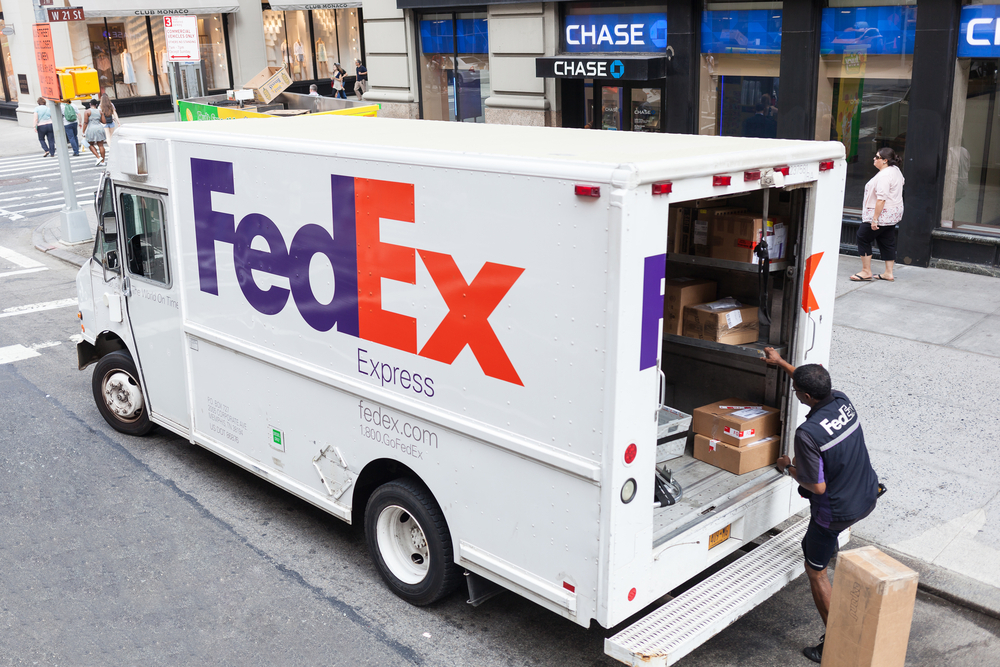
(771,356)
(782,463)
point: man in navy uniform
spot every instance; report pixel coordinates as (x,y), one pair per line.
(831,464)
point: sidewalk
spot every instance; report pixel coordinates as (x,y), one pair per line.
(16,140)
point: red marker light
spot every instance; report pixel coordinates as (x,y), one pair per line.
(570,587)
(588,191)
(663,188)
(630,453)
(722,180)
(631,595)
(751,175)
(826,166)
(783,169)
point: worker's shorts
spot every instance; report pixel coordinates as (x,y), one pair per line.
(819,545)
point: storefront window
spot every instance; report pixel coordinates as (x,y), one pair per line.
(740,63)
(287,43)
(972,181)
(9,87)
(454,66)
(337,40)
(129,65)
(866,62)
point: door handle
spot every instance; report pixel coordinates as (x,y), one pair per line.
(126,287)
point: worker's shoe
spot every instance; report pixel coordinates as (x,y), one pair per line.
(815,653)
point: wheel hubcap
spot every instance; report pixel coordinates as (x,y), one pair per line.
(123,396)
(402,544)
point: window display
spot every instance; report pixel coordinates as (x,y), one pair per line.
(9,86)
(287,43)
(740,63)
(866,63)
(454,66)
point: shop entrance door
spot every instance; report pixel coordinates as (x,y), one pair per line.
(624,105)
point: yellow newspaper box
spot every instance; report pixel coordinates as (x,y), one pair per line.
(78,82)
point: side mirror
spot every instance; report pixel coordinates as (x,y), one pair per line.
(111,260)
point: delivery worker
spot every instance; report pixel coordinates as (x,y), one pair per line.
(833,470)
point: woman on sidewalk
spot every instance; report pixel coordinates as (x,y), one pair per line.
(43,126)
(338,81)
(109,115)
(93,132)
(880,216)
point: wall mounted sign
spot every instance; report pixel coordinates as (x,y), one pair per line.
(979,32)
(741,31)
(615,33)
(871,30)
(626,68)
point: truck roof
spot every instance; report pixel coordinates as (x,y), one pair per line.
(514,149)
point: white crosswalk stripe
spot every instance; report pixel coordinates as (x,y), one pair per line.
(30,185)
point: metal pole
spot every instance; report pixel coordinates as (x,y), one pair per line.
(75,227)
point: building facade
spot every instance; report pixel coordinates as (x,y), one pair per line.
(124,41)
(919,76)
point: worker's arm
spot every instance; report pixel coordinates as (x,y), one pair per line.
(772,357)
(785,462)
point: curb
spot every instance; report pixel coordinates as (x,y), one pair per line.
(46,240)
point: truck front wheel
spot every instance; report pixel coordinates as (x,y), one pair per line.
(118,394)
(410,542)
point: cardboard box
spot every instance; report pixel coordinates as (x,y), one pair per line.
(269,83)
(733,237)
(679,293)
(733,326)
(736,421)
(737,460)
(870,611)
(679,230)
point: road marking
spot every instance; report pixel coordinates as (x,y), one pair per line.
(10,214)
(37,307)
(16,353)
(17,273)
(41,208)
(18,258)
(42,346)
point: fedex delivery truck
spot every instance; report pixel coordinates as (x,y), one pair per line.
(454,335)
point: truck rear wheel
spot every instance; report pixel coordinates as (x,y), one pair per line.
(410,542)
(118,394)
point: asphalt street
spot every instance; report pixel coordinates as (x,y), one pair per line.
(120,550)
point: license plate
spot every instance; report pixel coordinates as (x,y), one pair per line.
(719,536)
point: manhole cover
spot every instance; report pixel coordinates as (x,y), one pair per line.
(14,181)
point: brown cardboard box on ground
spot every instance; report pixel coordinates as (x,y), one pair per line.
(737,460)
(269,83)
(733,326)
(870,611)
(681,292)
(735,421)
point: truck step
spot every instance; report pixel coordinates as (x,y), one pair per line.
(692,618)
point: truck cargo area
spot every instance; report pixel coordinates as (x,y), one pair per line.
(700,371)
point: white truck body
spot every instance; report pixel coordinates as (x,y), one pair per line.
(437,300)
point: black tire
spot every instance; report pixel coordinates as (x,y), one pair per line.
(407,509)
(118,394)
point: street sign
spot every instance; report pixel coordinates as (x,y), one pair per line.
(45,60)
(65,14)
(181,33)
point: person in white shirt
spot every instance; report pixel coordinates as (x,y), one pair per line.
(313,90)
(881,212)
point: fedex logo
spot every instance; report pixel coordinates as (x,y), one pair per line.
(846,415)
(360,262)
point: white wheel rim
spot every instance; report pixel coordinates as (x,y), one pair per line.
(402,544)
(123,396)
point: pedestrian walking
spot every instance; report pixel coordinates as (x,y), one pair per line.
(70,124)
(882,210)
(834,472)
(361,79)
(109,115)
(338,81)
(93,131)
(43,126)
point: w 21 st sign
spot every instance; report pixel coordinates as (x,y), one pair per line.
(57,14)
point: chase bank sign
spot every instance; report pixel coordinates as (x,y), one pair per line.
(615,33)
(979,32)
